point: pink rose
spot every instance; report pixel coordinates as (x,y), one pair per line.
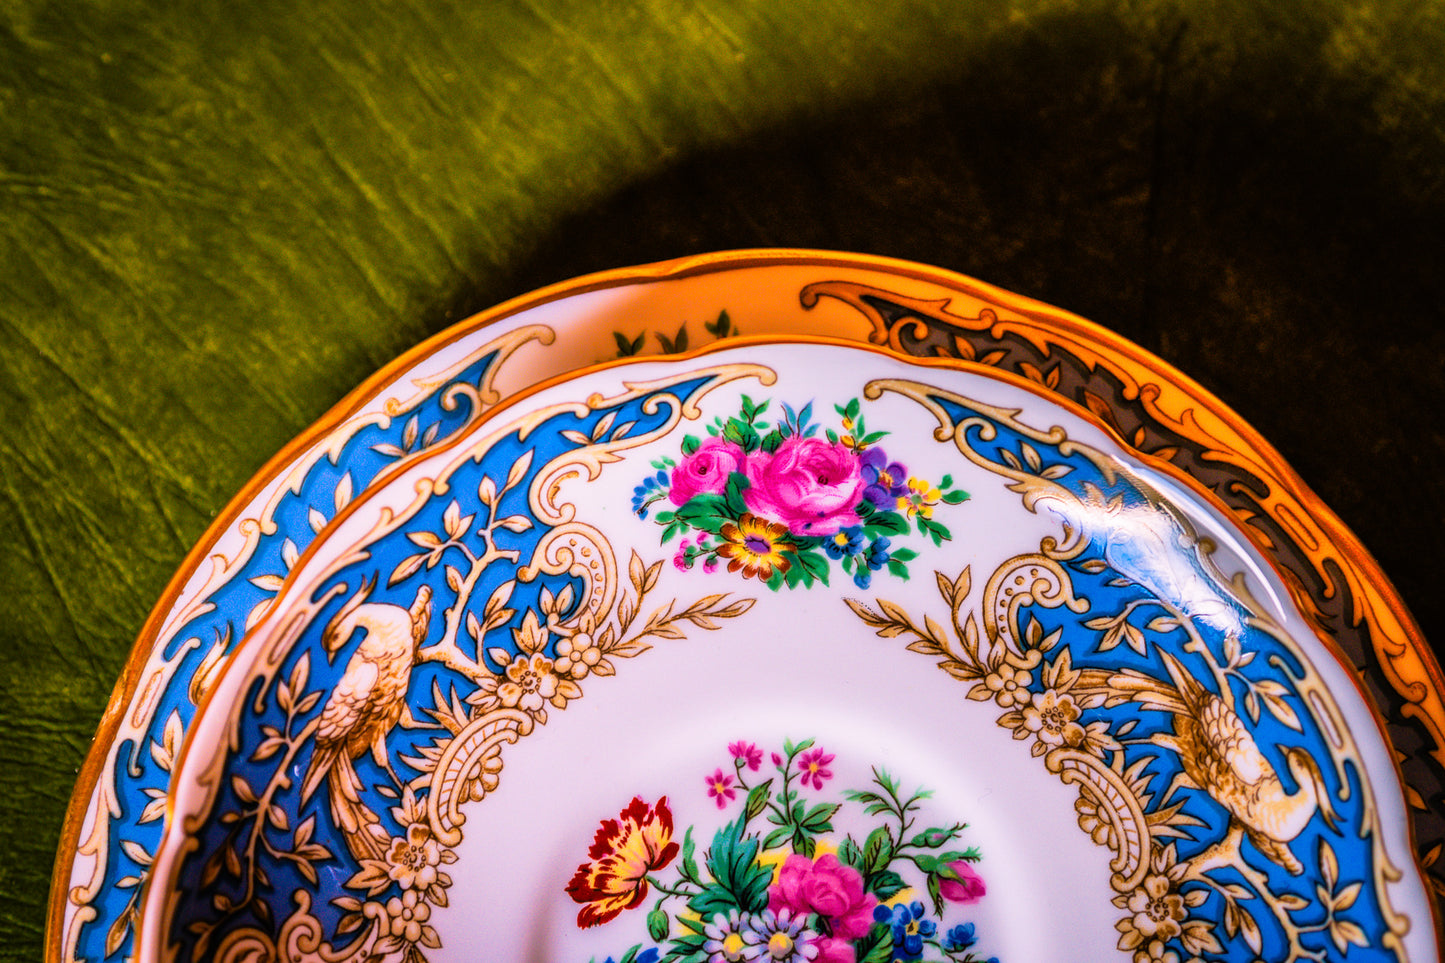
(826,887)
(833,950)
(968,888)
(705,470)
(809,485)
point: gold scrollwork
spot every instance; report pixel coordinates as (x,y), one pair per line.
(464,762)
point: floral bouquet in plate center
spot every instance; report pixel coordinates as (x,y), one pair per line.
(781,503)
(780,882)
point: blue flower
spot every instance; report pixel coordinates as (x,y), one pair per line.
(862,578)
(847,542)
(960,938)
(910,929)
(652,488)
(877,555)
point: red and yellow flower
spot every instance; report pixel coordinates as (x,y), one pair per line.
(623,852)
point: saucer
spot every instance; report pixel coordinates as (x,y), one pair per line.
(790,649)
(434,391)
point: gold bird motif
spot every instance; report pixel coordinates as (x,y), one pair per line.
(1220,757)
(366,703)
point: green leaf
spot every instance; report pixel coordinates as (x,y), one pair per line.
(872,802)
(657,925)
(927,863)
(713,900)
(690,444)
(850,855)
(709,513)
(732,863)
(687,948)
(935,894)
(814,563)
(886,523)
(772,440)
(877,946)
(885,884)
(904,555)
(740,883)
(733,495)
(898,569)
(791,749)
(817,818)
(688,869)
(956,497)
(935,836)
(777,837)
(757,799)
(877,850)
(933,530)
(742,434)
(626,348)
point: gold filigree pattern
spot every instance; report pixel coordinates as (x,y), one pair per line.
(1181,408)
(496,696)
(1016,663)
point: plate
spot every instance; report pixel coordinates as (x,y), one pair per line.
(117,811)
(799,651)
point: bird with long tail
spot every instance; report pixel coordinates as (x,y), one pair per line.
(367,702)
(1219,756)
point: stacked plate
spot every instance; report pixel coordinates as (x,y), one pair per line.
(768,606)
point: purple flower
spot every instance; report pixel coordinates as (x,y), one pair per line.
(883,480)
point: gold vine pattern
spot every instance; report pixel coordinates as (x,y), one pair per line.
(586,632)
(1007,657)
(1262,493)
(88,867)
